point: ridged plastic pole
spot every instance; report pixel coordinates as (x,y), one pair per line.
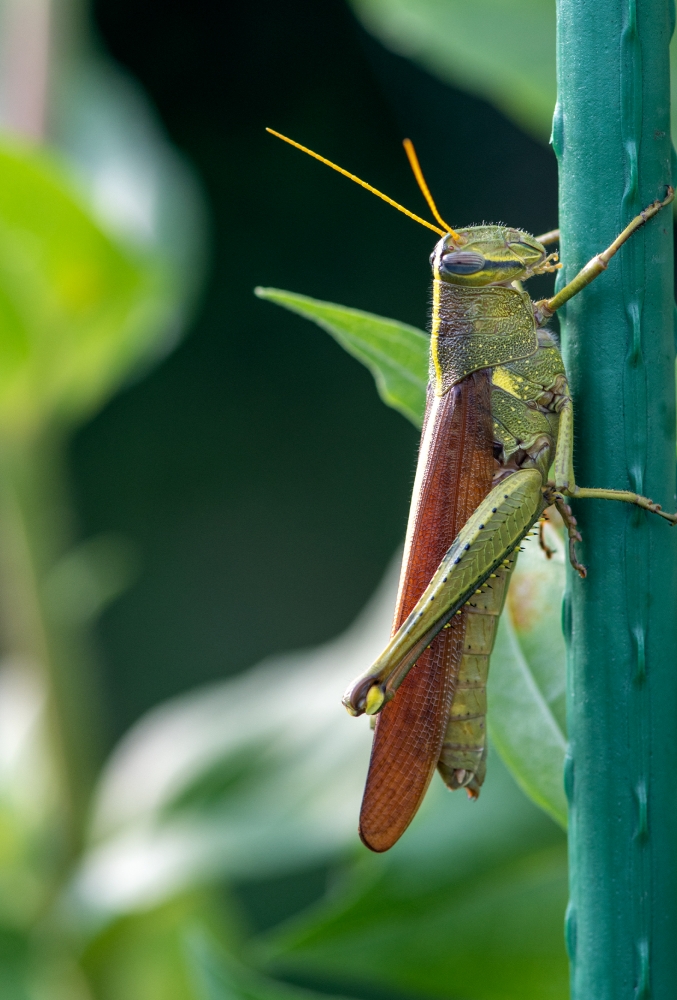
(612,138)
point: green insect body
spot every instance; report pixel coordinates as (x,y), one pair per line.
(463,757)
(491,326)
(478,326)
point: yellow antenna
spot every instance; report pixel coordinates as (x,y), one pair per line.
(418,174)
(352,177)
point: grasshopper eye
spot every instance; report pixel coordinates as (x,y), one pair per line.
(462,262)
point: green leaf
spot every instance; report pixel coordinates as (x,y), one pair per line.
(219,977)
(77,308)
(468,905)
(144,956)
(526,690)
(495,936)
(502,50)
(33,966)
(395,354)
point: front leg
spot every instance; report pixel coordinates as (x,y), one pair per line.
(547,307)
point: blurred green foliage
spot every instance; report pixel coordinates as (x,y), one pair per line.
(77,309)
(502,50)
(203,790)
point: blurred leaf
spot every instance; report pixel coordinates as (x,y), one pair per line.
(134,180)
(77,309)
(468,905)
(39,966)
(502,50)
(144,957)
(90,577)
(36,960)
(255,776)
(263,775)
(219,977)
(395,354)
(15,960)
(31,833)
(526,690)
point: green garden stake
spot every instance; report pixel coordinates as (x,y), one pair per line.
(611,134)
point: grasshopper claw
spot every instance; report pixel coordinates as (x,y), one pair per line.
(364,697)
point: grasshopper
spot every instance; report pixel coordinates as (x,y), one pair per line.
(496,451)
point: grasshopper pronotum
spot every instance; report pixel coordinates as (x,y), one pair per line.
(499,419)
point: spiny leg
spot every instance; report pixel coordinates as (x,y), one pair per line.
(553,496)
(546,307)
(582,493)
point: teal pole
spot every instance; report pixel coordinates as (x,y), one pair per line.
(611,134)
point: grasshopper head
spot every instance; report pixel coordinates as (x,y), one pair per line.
(489,255)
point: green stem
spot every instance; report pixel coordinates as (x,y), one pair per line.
(612,136)
(35,531)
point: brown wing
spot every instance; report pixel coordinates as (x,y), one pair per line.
(454,475)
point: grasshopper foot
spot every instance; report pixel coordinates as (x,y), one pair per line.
(364,697)
(570,523)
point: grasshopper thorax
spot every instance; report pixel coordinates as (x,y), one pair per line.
(488,255)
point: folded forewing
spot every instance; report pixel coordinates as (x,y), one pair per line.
(453,476)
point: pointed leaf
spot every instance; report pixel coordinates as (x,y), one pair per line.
(395,354)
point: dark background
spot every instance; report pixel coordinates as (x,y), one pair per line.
(261,479)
